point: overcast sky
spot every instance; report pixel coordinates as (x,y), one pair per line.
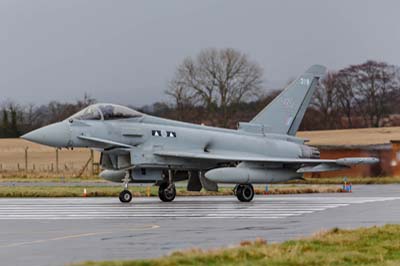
(126,51)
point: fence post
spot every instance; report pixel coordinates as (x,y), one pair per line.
(26,159)
(92,161)
(57,161)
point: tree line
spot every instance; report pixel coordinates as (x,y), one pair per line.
(17,119)
(363,95)
(221,87)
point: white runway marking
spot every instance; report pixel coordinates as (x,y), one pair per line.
(271,207)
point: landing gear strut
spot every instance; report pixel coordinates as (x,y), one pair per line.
(244,193)
(125,196)
(167,191)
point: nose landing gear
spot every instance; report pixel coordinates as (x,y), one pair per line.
(244,193)
(125,196)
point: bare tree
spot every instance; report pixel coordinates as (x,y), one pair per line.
(374,83)
(368,91)
(325,101)
(218,77)
(184,98)
(344,95)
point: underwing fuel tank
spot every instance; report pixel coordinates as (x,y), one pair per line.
(137,175)
(113,175)
(241,175)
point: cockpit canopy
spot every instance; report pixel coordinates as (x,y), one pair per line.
(106,112)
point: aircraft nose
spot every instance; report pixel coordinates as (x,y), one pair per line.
(56,135)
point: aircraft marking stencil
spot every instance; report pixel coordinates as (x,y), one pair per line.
(163,133)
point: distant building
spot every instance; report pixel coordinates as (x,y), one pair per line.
(383,143)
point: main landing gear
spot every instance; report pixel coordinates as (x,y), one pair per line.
(245,192)
(125,196)
(167,191)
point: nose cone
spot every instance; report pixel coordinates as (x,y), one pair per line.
(56,135)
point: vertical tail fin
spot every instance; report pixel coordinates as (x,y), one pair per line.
(284,114)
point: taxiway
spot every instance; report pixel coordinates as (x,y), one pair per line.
(64,230)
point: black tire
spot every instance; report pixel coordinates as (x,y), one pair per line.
(166,194)
(245,193)
(125,196)
(238,192)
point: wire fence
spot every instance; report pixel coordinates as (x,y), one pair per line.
(48,162)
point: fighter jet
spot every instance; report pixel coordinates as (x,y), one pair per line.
(141,148)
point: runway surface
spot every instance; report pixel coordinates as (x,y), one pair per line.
(60,231)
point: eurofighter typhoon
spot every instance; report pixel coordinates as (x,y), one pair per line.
(140,148)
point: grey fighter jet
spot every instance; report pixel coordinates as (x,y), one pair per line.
(136,147)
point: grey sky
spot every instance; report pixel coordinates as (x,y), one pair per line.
(126,51)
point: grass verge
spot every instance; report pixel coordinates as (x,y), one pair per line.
(317,181)
(353,180)
(55,179)
(377,246)
(77,191)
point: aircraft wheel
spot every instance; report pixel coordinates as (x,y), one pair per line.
(125,196)
(245,193)
(166,192)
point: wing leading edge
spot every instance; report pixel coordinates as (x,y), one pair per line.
(312,165)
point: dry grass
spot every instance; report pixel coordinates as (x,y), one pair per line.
(364,136)
(40,178)
(376,246)
(42,158)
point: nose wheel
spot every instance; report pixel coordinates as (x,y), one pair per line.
(244,193)
(125,196)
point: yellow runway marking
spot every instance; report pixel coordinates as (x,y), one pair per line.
(147,227)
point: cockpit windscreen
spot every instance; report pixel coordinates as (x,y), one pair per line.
(106,112)
(114,112)
(89,113)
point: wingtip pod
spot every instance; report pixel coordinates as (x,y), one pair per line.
(357,160)
(317,70)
